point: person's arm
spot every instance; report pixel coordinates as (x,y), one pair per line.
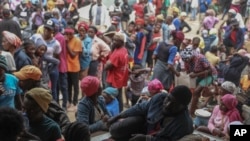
(83,114)
(241,40)
(185,24)
(142,47)
(108,65)
(104,49)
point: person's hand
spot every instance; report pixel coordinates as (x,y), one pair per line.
(105,118)
(113,120)
(138,137)
(192,75)
(216,132)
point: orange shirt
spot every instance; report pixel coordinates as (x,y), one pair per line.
(73,64)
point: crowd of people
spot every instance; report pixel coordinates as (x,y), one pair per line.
(53,63)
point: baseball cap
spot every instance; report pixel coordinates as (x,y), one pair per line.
(49,24)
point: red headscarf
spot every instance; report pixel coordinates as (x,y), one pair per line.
(231,102)
(83,25)
(90,85)
(69,30)
(139,21)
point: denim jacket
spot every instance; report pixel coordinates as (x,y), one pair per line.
(152,110)
(86,113)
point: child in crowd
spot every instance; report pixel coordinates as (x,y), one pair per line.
(112,103)
(137,81)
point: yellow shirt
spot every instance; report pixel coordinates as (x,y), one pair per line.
(212,59)
(245,82)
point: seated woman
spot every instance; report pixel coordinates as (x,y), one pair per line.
(154,87)
(222,115)
(91,109)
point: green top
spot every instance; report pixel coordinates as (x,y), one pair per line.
(46,130)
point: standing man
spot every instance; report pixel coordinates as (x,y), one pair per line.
(74,50)
(126,11)
(115,9)
(100,15)
(117,66)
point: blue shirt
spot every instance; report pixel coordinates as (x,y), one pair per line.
(11,90)
(177,24)
(204,5)
(113,107)
(165,32)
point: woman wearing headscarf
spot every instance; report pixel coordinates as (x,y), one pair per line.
(85,57)
(10,42)
(91,109)
(222,115)
(165,54)
(197,66)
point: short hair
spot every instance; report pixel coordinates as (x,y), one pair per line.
(213,49)
(94,28)
(12,123)
(27,43)
(77,131)
(197,39)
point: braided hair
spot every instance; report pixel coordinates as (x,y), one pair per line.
(77,131)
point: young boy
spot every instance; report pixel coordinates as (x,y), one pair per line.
(112,103)
(137,81)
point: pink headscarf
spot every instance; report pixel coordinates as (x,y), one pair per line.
(155,86)
(90,85)
(12,38)
(231,102)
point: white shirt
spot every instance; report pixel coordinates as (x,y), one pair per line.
(194,4)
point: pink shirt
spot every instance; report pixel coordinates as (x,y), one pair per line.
(218,120)
(209,22)
(99,49)
(62,56)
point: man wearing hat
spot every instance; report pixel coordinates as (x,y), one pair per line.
(165,114)
(234,36)
(36,104)
(9,89)
(233,13)
(29,77)
(176,20)
(117,66)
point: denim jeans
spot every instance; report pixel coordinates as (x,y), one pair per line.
(73,79)
(54,75)
(194,12)
(63,87)
(187,6)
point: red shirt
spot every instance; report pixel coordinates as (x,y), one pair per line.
(118,74)
(153,45)
(139,10)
